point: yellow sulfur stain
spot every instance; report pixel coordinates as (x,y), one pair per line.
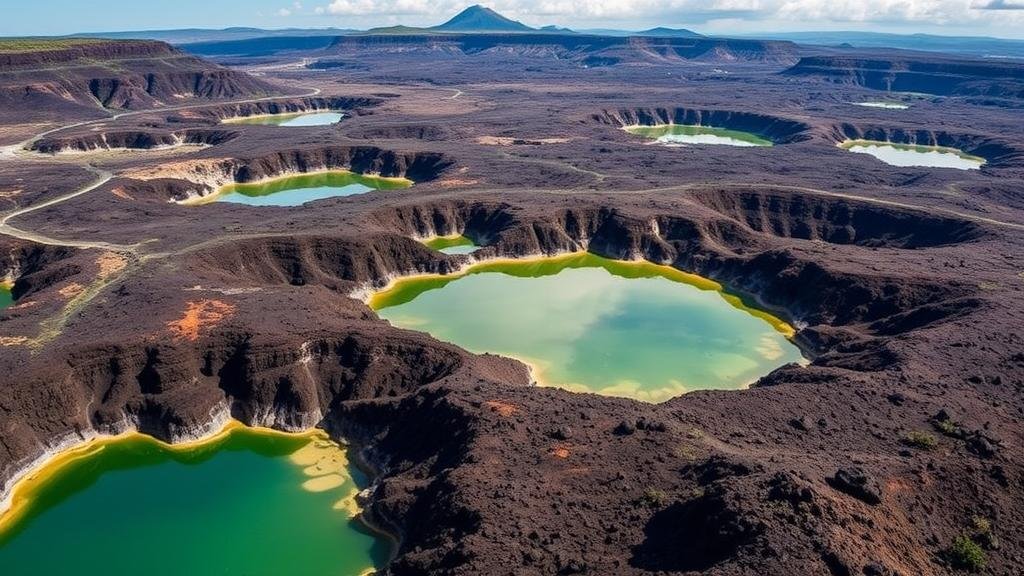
(348,504)
(324,483)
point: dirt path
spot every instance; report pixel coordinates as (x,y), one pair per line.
(14,152)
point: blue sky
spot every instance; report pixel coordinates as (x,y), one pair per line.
(973,17)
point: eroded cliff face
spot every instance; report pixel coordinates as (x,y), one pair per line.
(196,178)
(85,79)
(132,140)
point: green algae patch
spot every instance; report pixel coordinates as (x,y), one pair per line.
(246,501)
(302,188)
(294,120)
(6,297)
(456,244)
(681,135)
(912,155)
(587,323)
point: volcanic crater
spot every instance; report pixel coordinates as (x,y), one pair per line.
(135,313)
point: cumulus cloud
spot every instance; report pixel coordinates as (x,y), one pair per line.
(999,5)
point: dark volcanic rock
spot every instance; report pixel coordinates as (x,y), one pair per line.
(696,534)
(857,483)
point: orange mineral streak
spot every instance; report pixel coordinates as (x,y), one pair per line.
(503,409)
(200,315)
(111,263)
(12,340)
(121,193)
(561,451)
(71,290)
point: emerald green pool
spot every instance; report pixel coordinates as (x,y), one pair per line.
(681,135)
(303,188)
(452,245)
(6,299)
(250,504)
(588,323)
(291,120)
(907,155)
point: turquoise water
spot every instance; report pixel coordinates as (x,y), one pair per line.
(292,120)
(464,249)
(677,134)
(452,245)
(244,507)
(907,155)
(587,323)
(6,299)
(300,189)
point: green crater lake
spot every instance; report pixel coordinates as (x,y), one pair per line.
(6,298)
(681,135)
(907,155)
(452,245)
(290,120)
(303,188)
(250,503)
(587,323)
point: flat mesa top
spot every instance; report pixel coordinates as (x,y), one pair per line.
(23,45)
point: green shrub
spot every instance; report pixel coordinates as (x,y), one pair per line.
(983,533)
(654,498)
(966,554)
(919,439)
(947,427)
(981,524)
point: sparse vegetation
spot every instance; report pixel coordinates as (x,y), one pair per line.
(983,533)
(686,452)
(966,554)
(15,45)
(947,427)
(920,439)
(654,498)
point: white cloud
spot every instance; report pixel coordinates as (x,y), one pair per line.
(284,12)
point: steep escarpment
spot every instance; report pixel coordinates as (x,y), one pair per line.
(180,180)
(131,140)
(60,51)
(931,74)
(87,79)
(837,221)
(778,130)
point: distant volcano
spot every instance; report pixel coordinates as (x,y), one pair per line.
(480,19)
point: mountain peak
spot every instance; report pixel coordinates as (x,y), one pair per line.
(479,18)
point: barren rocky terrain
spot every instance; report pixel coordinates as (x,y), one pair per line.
(907,286)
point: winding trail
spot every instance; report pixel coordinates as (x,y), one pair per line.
(103,176)
(15,151)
